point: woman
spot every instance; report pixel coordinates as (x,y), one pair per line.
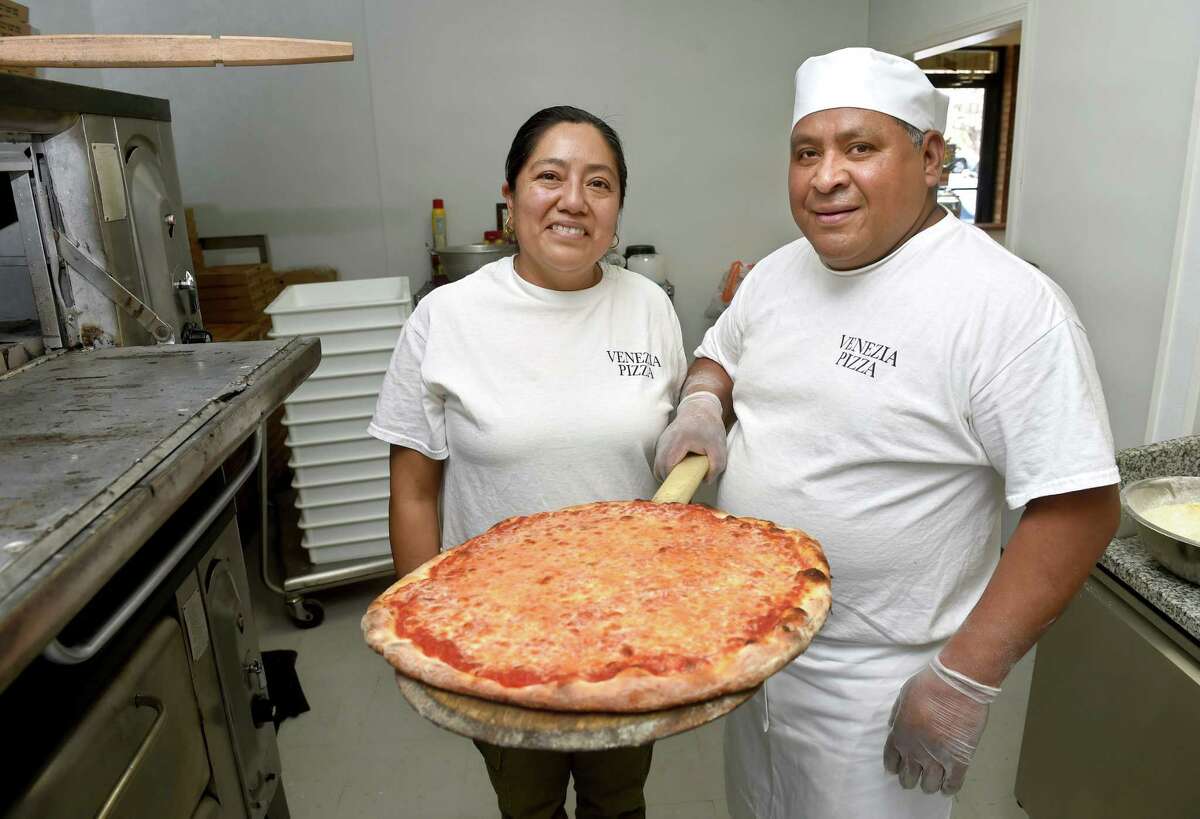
(508,395)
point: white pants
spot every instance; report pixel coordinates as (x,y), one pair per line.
(809,745)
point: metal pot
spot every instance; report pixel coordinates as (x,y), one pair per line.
(459,260)
(1176,552)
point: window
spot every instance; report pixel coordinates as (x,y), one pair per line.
(981,84)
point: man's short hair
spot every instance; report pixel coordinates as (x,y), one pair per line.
(914,134)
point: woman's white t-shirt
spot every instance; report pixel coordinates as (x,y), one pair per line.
(536,399)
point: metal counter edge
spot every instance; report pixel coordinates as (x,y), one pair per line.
(34,613)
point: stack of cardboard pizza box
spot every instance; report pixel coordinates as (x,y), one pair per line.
(14,22)
(233,296)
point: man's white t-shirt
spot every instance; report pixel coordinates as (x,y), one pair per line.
(537,399)
(882,410)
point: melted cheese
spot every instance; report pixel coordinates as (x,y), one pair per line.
(587,592)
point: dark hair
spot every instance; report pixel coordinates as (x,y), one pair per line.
(528,135)
(915,135)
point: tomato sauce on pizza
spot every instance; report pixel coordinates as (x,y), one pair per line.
(608,606)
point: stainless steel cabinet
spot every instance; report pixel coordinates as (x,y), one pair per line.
(1113,726)
(183,730)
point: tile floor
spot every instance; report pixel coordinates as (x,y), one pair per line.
(362,752)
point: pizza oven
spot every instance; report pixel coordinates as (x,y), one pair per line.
(152,701)
(130,686)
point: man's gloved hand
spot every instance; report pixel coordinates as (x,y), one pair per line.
(699,427)
(935,727)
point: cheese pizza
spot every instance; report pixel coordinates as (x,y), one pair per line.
(621,606)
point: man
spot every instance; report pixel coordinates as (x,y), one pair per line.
(890,373)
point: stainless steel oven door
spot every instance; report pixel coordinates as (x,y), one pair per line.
(141,219)
(139,751)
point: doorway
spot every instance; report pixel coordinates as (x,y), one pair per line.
(980,78)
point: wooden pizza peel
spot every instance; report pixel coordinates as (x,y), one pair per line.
(514,726)
(165,50)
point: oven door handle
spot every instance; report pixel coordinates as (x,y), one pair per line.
(56,652)
(160,716)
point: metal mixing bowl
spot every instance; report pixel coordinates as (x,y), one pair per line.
(1179,554)
(460,260)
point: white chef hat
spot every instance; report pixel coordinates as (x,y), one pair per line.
(866,78)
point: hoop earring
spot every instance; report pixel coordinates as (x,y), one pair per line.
(616,241)
(509,233)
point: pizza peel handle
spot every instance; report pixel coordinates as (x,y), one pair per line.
(683,481)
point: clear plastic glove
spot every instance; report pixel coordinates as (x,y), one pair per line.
(699,427)
(935,727)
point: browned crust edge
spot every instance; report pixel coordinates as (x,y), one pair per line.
(634,689)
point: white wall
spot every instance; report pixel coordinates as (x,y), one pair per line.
(287,151)
(338,163)
(903,26)
(1113,140)
(699,92)
(1106,127)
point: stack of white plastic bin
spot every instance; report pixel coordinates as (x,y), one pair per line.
(341,471)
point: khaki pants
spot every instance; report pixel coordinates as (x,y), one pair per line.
(533,784)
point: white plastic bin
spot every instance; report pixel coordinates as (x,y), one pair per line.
(352,361)
(311,309)
(341,471)
(343,491)
(315,514)
(335,449)
(344,469)
(338,386)
(331,534)
(302,433)
(318,409)
(348,550)
(363,338)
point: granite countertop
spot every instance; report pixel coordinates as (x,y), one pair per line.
(1126,558)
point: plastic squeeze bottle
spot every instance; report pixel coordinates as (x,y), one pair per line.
(439,224)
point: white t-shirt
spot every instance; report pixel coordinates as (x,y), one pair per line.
(882,409)
(536,398)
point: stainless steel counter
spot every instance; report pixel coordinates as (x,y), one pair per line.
(99,447)
(1113,725)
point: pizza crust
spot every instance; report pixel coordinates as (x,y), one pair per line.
(633,689)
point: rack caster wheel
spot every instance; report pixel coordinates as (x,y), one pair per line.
(305,613)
